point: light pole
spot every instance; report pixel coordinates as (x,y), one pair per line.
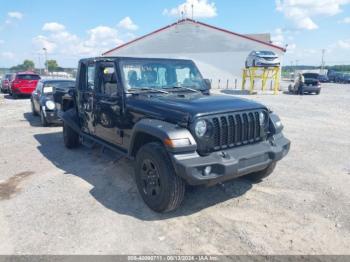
(322,62)
(46,63)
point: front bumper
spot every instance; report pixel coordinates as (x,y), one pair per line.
(267,63)
(52,116)
(231,163)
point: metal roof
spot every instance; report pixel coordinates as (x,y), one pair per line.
(195,23)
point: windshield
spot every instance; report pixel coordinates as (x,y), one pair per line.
(61,84)
(311,75)
(265,53)
(160,74)
(28,77)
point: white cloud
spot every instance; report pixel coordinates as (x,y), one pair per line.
(7,55)
(2,41)
(345,44)
(128,24)
(53,27)
(277,37)
(201,9)
(15,15)
(302,12)
(346,20)
(61,42)
(41,42)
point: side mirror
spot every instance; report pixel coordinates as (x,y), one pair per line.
(71,92)
(207,83)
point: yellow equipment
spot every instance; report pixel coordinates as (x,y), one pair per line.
(263,73)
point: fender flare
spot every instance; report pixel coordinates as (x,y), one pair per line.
(163,130)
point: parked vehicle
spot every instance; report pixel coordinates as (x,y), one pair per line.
(346,79)
(160,112)
(45,95)
(343,78)
(311,84)
(5,82)
(23,83)
(262,59)
(333,76)
(323,78)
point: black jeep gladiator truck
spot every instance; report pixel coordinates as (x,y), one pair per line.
(160,113)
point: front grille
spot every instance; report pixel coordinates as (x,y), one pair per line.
(231,130)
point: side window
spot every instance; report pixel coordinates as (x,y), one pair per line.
(90,77)
(107,80)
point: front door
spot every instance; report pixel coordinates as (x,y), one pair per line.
(108,106)
(87,97)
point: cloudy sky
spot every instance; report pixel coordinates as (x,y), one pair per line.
(70,30)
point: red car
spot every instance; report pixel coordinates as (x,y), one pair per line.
(24,83)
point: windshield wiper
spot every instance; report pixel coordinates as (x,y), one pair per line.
(149,89)
(186,88)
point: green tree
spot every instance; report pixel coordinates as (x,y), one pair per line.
(51,65)
(28,65)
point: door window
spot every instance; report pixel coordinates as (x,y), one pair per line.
(90,77)
(107,80)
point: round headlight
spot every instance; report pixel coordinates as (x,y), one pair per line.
(50,105)
(200,128)
(262,118)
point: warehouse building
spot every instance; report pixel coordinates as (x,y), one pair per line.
(220,54)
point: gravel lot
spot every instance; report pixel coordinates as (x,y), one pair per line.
(84,201)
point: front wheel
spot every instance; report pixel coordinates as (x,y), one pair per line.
(43,119)
(260,175)
(33,108)
(159,186)
(70,137)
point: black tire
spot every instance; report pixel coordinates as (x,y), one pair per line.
(260,175)
(70,137)
(14,96)
(43,119)
(33,109)
(159,186)
(318,92)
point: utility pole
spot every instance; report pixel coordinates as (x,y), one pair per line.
(46,63)
(192,10)
(39,64)
(322,62)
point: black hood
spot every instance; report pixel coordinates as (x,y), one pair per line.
(184,107)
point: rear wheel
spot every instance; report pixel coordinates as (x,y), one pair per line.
(260,175)
(70,137)
(159,186)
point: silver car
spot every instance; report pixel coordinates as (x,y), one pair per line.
(263,59)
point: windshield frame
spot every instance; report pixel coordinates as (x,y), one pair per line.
(123,61)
